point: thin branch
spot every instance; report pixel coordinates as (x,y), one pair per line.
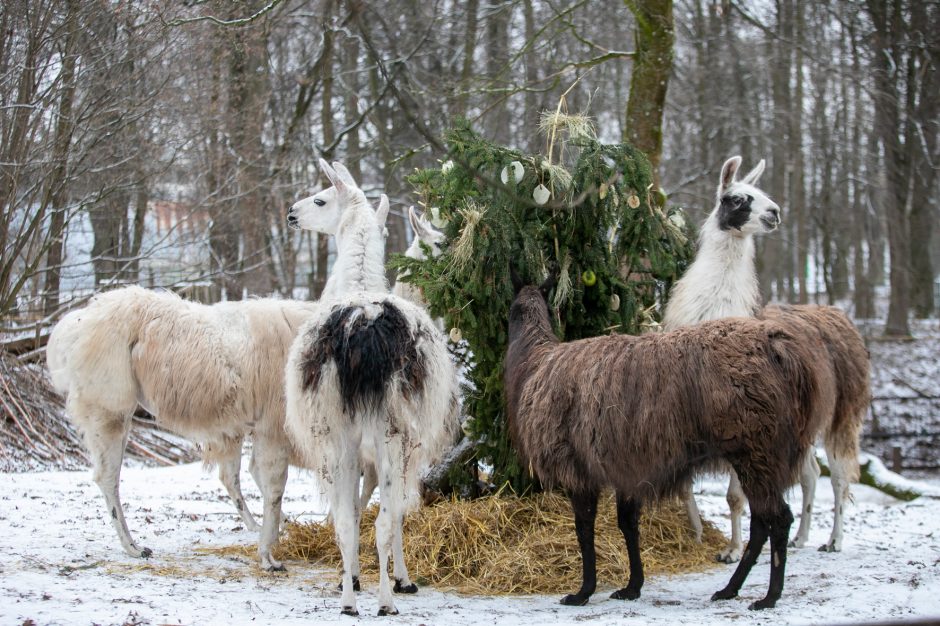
(244,21)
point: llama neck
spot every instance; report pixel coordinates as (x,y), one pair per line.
(360,255)
(721,282)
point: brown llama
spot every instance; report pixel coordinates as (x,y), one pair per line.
(642,415)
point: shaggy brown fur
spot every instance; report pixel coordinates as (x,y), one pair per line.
(642,414)
(851,365)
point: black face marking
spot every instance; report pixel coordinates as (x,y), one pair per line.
(734,211)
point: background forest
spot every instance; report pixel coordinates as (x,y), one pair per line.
(162,142)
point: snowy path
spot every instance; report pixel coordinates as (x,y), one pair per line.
(60,563)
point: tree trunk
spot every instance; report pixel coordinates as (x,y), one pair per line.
(247,97)
(924,156)
(887,19)
(652,66)
(57,192)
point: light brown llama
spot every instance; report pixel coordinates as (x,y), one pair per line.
(849,359)
(643,414)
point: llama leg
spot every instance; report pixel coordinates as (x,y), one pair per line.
(344,492)
(779,531)
(106,443)
(736,500)
(390,470)
(839,475)
(370,481)
(585,510)
(759,533)
(809,474)
(229,469)
(628,519)
(403,582)
(269,463)
(691,507)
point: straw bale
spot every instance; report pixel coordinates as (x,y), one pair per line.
(505,544)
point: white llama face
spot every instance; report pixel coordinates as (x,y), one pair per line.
(320,212)
(743,208)
(323,211)
(424,233)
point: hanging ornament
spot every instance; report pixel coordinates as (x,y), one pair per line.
(512,172)
(589,278)
(541,194)
(455,335)
(602,191)
(615,302)
(633,201)
(447,166)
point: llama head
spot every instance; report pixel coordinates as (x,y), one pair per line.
(743,209)
(324,210)
(424,234)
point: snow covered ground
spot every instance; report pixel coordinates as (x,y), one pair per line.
(60,563)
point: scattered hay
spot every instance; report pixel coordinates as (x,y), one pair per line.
(510,545)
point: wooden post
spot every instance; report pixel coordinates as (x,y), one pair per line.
(897,462)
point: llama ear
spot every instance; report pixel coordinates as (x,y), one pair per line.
(381,214)
(517,282)
(344,174)
(728,171)
(755,173)
(333,176)
(417,224)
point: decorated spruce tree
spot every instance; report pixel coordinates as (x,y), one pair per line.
(585,211)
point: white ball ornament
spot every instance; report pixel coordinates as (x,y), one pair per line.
(512,172)
(447,166)
(455,335)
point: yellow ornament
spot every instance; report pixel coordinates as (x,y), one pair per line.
(455,335)
(633,201)
(589,278)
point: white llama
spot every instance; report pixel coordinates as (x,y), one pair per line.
(212,374)
(722,282)
(369,381)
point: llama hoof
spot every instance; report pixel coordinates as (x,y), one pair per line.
(575,599)
(387,610)
(766,603)
(724,594)
(829,547)
(625,594)
(355,584)
(348,610)
(728,556)
(400,588)
(146,553)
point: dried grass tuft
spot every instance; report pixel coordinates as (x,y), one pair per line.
(510,545)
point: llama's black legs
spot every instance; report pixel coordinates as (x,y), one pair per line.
(759,532)
(779,531)
(585,510)
(628,518)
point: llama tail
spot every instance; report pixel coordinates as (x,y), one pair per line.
(371,346)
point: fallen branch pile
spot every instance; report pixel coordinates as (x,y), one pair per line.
(35,433)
